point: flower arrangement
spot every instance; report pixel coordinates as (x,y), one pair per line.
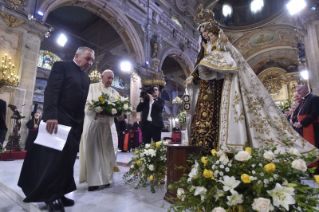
(182,117)
(110,105)
(284,105)
(253,180)
(148,165)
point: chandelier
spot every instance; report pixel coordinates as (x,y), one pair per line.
(8,77)
(177,100)
(95,76)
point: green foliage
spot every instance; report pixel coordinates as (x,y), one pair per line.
(148,165)
(2,151)
(205,187)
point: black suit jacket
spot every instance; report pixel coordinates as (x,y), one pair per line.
(65,96)
(156,114)
(136,125)
(3,126)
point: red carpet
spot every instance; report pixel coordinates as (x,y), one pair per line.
(14,155)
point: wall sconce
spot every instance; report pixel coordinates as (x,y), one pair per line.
(7,73)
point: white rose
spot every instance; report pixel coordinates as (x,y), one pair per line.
(219,209)
(165,143)
(125,106)
(224,159)
(220,153)
(151,167)
(299,164)
(262,205)
(130,108)
(141,155)
(98,109)
(152,152)
(294,151)
(242,156)
(132,167)
(181,194)
(147,146)
(269,155)
(114,111)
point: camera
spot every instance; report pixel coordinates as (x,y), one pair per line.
(144,92)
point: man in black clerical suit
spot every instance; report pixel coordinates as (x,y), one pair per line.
(3,126)
(152,120)
(307,114)
(33,126)
(47,174)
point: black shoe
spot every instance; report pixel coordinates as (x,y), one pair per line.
(93,188)
(67,202)
(55,206)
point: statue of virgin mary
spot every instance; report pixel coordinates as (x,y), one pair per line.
(240,109)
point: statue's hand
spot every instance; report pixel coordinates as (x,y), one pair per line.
(189,80)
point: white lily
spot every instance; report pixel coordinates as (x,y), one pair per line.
(218,194)
(181,194)
(235,198)
(200,190)
(229,183)
(282,195)
(123,99)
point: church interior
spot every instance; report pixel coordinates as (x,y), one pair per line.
(143,42)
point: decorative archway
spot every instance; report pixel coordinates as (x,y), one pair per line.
(183,60)
(110,13)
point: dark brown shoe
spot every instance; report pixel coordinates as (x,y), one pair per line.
(93,188)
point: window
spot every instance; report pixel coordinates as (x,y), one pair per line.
(256,5)
(227,10)
(46,59)
(177,21)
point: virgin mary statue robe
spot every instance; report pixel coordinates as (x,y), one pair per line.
(247,113)
(99,142)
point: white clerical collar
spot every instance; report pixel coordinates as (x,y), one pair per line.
(77,64)
(306,95)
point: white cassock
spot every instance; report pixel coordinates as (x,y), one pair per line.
(99,142)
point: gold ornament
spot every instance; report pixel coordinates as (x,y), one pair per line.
(10,20)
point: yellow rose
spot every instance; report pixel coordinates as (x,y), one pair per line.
(135,174)
(270,167)
(245,178)
(157,144)
(208,174)
(316,178)
(101,99)
(136,152)
(138,162)
(204,160)
(213,152)
(118,96)
(248,149)
(151,178)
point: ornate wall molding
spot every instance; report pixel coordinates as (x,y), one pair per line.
(11,20)
(17,4)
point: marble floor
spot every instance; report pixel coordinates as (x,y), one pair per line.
(119,197)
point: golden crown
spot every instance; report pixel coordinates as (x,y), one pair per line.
(204,15)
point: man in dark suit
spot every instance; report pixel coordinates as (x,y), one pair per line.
(152,120)
(176,128)
(47,174)
(3,126)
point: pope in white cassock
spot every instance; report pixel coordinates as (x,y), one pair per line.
(99,143)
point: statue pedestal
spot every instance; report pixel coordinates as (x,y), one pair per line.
(177,155)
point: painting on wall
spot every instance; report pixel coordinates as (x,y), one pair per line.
(121,83)
(282,62)
(46,59)
(263,39)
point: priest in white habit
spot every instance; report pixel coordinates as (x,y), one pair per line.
(99,143)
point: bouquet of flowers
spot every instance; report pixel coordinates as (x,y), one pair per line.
(148,165)
(182,117)
(110,105)
(253,180)
(284,105)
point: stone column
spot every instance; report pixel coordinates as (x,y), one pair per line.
(312,52)
(21,40)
